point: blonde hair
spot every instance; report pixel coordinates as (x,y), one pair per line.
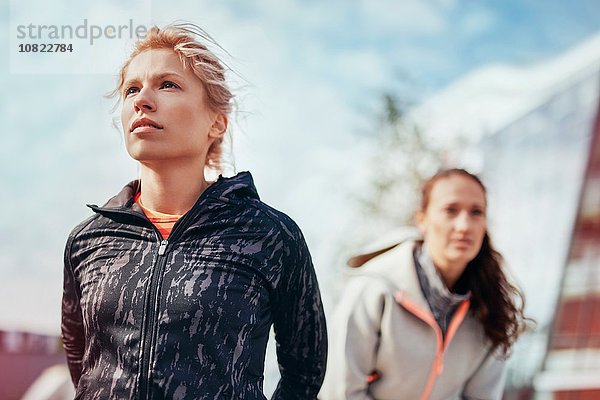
(186,41)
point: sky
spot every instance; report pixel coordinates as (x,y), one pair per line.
(309,79)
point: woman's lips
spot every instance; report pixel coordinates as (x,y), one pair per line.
(144,122)
(145,129)
(462,243)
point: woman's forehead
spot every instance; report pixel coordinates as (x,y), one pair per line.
(154,62)
(457,188)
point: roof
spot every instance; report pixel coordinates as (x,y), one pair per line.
(490,98)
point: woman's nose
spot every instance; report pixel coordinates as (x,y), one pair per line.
(144,101)
(462,222)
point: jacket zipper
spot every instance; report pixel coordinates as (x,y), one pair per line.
(149,322)
(149,316)
(151,306)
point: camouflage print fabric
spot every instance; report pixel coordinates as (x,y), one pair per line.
(189,318)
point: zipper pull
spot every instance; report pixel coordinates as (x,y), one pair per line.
(163,247)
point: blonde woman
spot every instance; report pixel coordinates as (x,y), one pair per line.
(171,287)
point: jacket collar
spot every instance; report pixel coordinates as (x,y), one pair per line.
(438,290)
(228,190)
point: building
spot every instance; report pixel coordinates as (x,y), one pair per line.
(571,368)
(23,357)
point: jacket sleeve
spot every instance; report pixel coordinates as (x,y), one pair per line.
(354,340)
(299,325)
(72,332)
(487,383)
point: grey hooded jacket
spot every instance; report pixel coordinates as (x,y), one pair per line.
(387,345)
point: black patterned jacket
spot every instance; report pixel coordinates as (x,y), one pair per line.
(189,317)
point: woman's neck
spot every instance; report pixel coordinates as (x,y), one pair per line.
(172,188)
(450,276)
(450,272)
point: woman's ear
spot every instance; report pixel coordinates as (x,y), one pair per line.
(219,126)
(421,221)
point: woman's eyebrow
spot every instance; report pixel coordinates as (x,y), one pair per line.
(455,203)
(165,74)
(157,77)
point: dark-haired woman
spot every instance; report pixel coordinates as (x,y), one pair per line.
(430,318)
(171,287)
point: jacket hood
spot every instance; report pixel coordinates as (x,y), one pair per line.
(383,244)
(234,189)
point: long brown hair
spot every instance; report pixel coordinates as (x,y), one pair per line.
(495,302)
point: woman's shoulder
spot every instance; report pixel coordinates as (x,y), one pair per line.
(77,231)
(274,215)
(81,226)
(240,190)
(278,222)
(387,273)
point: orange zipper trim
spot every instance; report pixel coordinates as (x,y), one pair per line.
(438,363)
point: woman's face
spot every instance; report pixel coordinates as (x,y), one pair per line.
(165,115)
(454,222)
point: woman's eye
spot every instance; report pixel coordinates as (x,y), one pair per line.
(169,85)
(450,210)
(477,213)
(130,90)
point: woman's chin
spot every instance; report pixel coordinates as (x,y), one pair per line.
(461,256)
(146,154)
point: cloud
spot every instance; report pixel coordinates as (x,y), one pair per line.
(477,22)
(414,17)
